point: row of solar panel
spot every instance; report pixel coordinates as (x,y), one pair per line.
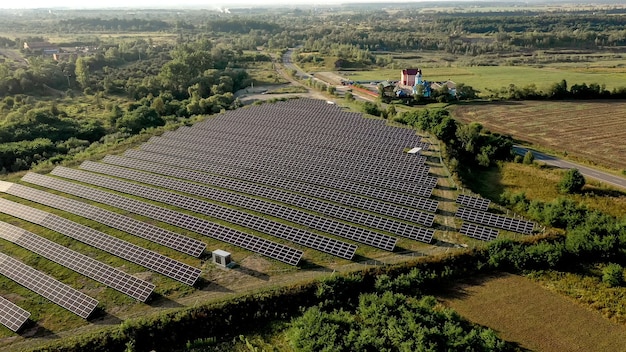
(320,180)
(272,209)
(497,221)
(118,221)
(12,316)
(394,166)
(253,243)
(46,286)
(346,145)
(373,205)
(126,250)
(271,163)
(358,136)
(98,271)
(316,116)
(473,202)
(478,232)
(275,194)
(237,217)
(370,171)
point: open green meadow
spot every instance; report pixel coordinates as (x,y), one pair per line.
(484,78)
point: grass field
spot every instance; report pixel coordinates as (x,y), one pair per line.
(540,183)
(592,130)
(495,77)
(524,312)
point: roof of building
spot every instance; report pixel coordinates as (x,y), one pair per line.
(38,45)
(411,71)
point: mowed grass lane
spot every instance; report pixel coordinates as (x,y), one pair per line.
(522,311)
(592,130)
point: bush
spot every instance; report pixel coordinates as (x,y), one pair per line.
(572,182)
(529,158)
(613,275)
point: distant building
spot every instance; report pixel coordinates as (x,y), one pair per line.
(41,47)
(410,76)
(451,86)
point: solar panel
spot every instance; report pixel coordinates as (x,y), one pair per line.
(255,244)
(284,149)
(294,199)
(12,316)
(352,200)
(405,182)
(138,228)
(299,171)
(473,202)
(492,220)
(118,247)
(48,287)
(234,216)
(478,232)
(317,179)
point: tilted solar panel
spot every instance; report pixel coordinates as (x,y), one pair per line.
(473,202)
(478,232)
(255,244)
(118,247)
(80,263)
(138,228)
(48,287)
(12,316)
(492,220)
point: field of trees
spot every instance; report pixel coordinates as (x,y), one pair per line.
(128,76)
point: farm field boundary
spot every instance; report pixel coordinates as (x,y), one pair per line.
(524,312)
(591,130)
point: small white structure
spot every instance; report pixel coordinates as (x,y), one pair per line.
(415,150)
(221,258)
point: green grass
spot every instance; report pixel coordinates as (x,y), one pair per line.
(495,77)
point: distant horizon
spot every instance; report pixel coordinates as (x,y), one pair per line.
(162,4)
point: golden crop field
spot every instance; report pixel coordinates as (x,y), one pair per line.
(591,130)
(536,318)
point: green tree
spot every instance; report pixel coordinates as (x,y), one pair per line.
(572,182)
(613,275)
(529,158)
(82,72)
(140,118)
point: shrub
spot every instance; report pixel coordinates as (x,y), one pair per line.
(529,158)
(572,182)
(613,275)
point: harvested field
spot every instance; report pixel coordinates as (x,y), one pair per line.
(592,130)
(524,312)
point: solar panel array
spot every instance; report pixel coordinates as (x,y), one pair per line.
(478,232)
(352,200)
(138,228)
(200,162)
(473,202)
(349,160)
(275,194)
(48,287)
(253,243)
(497,221)
(80,263)
(346,166)
(303,176)
(12,316)
(252,158)
(241,218)
(118,247)
(277,210)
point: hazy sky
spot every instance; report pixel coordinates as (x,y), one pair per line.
(159,3)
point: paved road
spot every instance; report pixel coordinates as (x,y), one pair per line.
(586,171)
